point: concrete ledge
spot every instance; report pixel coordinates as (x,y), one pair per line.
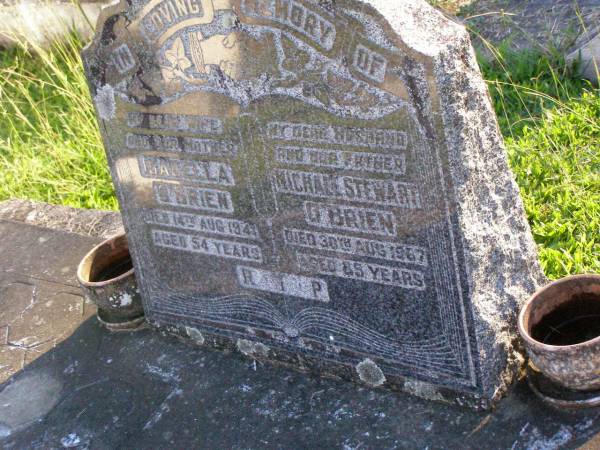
(101,224)
(72,384)
(39,24)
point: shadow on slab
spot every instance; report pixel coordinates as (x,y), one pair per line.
(100,390)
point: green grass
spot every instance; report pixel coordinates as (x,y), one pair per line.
(50,147)
(551,122)
(557,164)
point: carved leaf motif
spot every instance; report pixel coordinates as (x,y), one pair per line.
(196,51)
(176,56)
(290,83)
(295,59)
(316,86)
(230,41)
(228,68)
(321,93)
(342,85)
(168,73)
(364,99)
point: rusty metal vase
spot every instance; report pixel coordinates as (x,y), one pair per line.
(560,325)
(107,277)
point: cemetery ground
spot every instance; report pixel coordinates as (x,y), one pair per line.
(50,147)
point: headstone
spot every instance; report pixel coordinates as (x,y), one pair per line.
(587,54)
(319,184)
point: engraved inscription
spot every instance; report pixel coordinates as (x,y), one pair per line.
(168,13)
(389,251)
(371,64)
(283,283)
(152,142)
(296,16)
(210,172)
(350,218)
(206,224)
(357,270)
(323,185)
(281,183)
(175,122)
(179,144)
(337,159)
(122,59)
(207,246)
(324,134)
(192,197)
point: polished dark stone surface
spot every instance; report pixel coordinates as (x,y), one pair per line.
(98,390)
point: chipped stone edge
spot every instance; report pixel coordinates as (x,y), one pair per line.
(502,269)
(589,55)
(38,25)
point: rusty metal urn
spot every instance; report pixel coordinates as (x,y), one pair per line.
(107,277)
(560,325)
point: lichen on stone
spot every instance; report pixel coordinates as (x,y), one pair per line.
(422,390)
(250,348)
(195,335)
(370,373)
(105,102)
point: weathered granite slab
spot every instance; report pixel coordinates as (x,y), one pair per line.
(320,184)
(99,390)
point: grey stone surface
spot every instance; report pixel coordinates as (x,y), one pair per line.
(93,223)
(40,300)
(100,390)
(319,184)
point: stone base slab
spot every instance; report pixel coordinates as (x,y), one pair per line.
(91,388)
